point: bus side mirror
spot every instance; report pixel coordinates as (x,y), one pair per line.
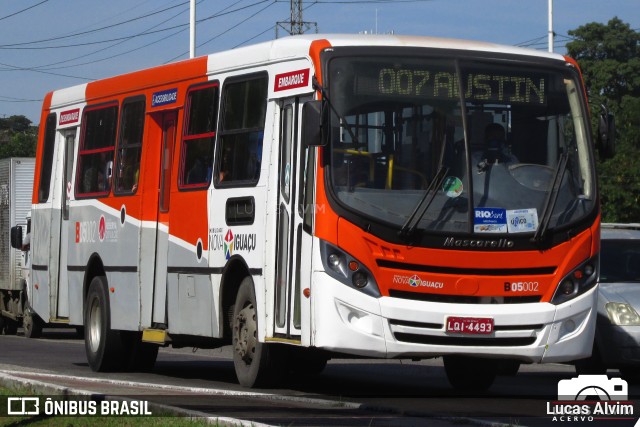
(606,134)
(16,237)
(312,124)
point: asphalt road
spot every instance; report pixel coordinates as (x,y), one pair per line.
(348,392)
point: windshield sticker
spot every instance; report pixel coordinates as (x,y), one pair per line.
(522,220)
(490,220)
(452,186)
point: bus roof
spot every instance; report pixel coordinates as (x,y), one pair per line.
(272,51)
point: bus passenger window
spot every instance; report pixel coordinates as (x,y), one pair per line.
(130,147)
(197,141)
(244,108)
(95,157)
(47,158)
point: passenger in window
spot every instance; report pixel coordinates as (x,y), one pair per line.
(198,172)
(495,148)
(136,177)
(225,165)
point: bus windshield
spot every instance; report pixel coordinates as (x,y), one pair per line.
(482,141)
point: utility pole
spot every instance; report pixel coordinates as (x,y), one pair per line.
(296,25)
(550,25)
(192,29)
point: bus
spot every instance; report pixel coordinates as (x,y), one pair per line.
(324,196)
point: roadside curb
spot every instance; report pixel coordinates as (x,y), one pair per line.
(42,387)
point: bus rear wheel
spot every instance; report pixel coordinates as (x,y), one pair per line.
(256,364)
(102,344)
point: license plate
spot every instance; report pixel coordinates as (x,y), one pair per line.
(470,325)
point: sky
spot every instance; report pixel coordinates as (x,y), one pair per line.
(53,44)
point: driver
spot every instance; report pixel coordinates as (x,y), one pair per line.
(495,147)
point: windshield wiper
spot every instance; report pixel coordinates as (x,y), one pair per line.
(410,225)
(552,198)
(343,122)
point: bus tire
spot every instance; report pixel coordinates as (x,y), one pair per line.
(472,374)
(592,365)
(141,356)
(102,344)
(304,361)
(31,323)
(256,364)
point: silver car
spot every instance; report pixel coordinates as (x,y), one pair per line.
(617,340)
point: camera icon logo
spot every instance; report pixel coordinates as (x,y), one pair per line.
(593,387)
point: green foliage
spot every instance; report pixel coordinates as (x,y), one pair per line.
(609,56)
(17,137)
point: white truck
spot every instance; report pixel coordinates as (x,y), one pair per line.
(16,187)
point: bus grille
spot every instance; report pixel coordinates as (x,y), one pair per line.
(464,341)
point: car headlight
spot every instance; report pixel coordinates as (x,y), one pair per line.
(622,314)
(577,282)
(348,270)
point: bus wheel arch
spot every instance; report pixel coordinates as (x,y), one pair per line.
(233,274)
(95,267)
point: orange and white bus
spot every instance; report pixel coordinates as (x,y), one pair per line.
(314,196)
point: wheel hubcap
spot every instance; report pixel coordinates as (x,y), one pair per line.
(246,334)
(95,325)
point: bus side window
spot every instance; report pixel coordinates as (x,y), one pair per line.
(97,146)
(244,107)
(47,158)
(199,135)
(130,146)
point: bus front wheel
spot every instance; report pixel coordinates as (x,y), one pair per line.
(256,364)
(102,344)
(472,374)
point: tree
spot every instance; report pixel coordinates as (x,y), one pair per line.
(17,137)
(609,56)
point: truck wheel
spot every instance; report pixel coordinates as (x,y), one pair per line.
(10,327)
(256,364)
(31,323)
(102,344)
(470,373)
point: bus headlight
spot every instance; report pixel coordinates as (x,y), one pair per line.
(348,270)
(577,282)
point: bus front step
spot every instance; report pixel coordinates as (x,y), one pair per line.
(156,336)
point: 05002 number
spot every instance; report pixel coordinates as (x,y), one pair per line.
(521,286)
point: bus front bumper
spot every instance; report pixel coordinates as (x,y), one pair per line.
(348,321)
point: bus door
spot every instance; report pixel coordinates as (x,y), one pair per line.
(167,144)
(66,231)
(293,245)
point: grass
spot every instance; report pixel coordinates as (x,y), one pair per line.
(156,420)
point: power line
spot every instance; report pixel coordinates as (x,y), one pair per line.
(66,61)
(228,29)
(12,99)
(7,46)
(23,10)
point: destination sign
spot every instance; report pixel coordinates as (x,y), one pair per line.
(500,87)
